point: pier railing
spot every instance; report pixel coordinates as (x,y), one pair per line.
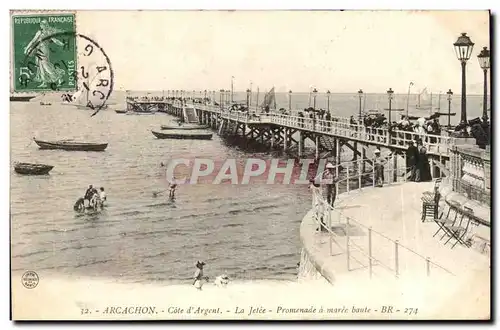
(344,231)
(338,127)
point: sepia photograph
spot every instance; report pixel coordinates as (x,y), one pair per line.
(250,164)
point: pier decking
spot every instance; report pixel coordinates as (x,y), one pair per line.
(406,248)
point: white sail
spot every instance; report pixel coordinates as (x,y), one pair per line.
(269,100)
(424,99)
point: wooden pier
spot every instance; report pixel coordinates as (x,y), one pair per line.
(287,132)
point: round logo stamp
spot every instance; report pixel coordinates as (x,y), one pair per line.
(30,279)
(86,67)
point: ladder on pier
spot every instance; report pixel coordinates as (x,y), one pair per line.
(190,115)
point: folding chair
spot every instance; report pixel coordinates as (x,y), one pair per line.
(430,202)
(458,232)
(447,221)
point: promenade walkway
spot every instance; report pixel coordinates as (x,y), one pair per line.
(393,211)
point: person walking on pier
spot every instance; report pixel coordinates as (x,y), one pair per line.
(329,181)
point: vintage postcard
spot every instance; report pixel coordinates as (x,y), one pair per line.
(250,165)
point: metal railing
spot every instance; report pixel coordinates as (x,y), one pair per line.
(349,175)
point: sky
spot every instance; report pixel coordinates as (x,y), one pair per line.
(291,50)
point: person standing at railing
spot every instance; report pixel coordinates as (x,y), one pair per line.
(378,163)
(328,118)
(329,182)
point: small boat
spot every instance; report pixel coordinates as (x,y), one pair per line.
(183,136)
(32,169)
(121,111)
(184,127)
(45,103)
(71,145)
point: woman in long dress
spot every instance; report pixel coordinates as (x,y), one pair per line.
(425,168)
(46,71)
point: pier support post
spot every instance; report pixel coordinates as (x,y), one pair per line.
(301,144)
(338,146)
(316,142)
(272,138)
(285,140)
(363,156)
(355,152)
(395,167)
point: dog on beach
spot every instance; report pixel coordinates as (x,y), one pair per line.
(221,280)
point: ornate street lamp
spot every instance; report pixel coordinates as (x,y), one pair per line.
(450,94)
(290,100)
(463,50)
(315,93)
(484,63)
(360,94)
(328,100)
(390,95)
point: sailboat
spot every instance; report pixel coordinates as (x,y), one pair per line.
(269,100)
(80,99)
(424,100)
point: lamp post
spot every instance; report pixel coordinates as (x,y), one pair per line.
(232,83)
(463,50)
(450,94)
(315,93)
(484,63)
(248,98)
(290,100)
(328,100)
(360,94)
(408,99)
(390,95)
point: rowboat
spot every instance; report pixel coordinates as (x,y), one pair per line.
(121,111)
(184,127)
(183,136)
(32,169)
(71,145)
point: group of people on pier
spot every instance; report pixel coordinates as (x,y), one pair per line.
(418,162)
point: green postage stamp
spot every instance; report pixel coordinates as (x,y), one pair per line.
(44,52)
